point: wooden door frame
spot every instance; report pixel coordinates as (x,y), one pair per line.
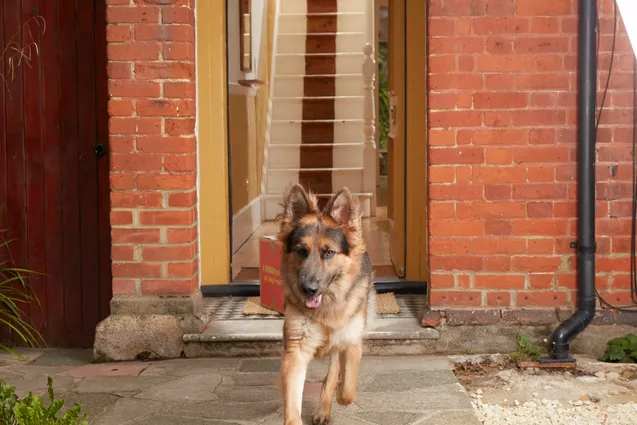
(416,162)
(214,217)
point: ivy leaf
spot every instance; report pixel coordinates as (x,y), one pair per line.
(632,340)
(523,341)
(615,352)
(622,343)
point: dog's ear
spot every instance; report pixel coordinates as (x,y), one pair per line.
(298,203)
(344,208)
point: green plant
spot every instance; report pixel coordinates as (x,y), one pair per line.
(383,94)
(621,350)
(14,292)
(526,351)
(31,410)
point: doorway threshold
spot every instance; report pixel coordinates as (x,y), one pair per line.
(250,288)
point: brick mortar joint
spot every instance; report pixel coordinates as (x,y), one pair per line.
(459,316)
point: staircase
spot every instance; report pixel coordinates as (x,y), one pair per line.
(319,128)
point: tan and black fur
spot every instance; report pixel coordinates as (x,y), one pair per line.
(327,276)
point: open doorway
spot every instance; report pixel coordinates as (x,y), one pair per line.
(297,114)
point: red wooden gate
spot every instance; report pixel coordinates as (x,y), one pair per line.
(53,185)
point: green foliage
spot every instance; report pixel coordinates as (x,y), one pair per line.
(621,350)
(14,292)
(383,96)
(526,351)
(31,410)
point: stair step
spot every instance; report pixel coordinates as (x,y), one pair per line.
(317,179)
(292,132)
(229,338)
(314,145)
(319,170)
(318,85)
(323,109)
(300,7)
(271,203)
(321,22)
(318,64)
(361,195)
(323,156)
(320,43)
(318,97)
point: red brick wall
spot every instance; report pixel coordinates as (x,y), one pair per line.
(502,99)
(151,73)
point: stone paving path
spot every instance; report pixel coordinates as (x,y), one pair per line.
(392,390)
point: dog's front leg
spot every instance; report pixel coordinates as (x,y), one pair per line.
(323,414)
(293,370)
(350,358)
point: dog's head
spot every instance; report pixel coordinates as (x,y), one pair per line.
(320,247)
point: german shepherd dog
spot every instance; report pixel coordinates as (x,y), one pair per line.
(329,296)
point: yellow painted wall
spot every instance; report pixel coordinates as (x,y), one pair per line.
(214,232)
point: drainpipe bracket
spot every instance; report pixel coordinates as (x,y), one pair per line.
(584,249)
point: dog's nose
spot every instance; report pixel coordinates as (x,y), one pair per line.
(309,286)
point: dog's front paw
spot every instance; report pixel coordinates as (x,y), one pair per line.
(321,417)
(345,397)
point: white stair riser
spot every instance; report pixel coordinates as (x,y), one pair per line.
(292,24)
(280,180)
(295,64)
(287,157)
(297,24)
(272,206)
(346,85)
(290,133)
(300,6)
(292,109)
(345,43)
(293,6)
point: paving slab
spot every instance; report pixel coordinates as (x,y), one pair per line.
(410,390)
(191,389)
(61,357)
(129,409)
(119,384)
(95,404)
(106,369)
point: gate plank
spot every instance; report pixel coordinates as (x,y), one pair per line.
(34,157)
(88,188)
(71,219)
(53,175)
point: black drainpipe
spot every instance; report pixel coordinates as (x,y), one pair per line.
(585,245)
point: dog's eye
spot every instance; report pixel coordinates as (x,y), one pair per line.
(301,252)
(329,253)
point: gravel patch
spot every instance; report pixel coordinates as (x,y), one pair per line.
(553,412)
(504,395)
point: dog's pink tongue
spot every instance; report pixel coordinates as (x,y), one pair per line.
(314,302)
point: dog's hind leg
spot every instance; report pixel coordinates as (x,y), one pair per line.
(293,371)
(323,413)
(350,359)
